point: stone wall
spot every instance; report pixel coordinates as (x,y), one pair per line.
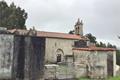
(53,44)
(6,55)
(91,63)
(28,58)
(111,63)
(81,44)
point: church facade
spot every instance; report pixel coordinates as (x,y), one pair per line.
(60,48)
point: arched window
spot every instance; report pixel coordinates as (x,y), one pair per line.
(59,55)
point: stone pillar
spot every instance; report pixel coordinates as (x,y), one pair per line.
(114,63)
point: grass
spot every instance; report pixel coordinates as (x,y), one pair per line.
(83,78)
(114,78)
(111,78)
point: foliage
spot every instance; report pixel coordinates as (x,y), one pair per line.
(111,46)
(108,45)
(71,32)
(12,16)
(91,38)
(101,44)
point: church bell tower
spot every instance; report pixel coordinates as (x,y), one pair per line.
(79,27)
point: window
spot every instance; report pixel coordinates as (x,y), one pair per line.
(58,57)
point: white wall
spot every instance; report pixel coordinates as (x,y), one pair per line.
(96,58)
(6,54)
(52,44)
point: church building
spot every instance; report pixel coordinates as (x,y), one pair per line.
(57,45)
(58,48)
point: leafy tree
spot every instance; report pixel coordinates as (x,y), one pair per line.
(3,13)
(91,38)
(97,44)
(111,46)
(12,16)
(71,32)
(108,45)
(101,44)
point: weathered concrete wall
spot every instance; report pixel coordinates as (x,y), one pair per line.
(6,55)
(18,58)
(114,63)
(34,59)
(61,72)
(28,63)
(81,43)
(91,63)
(53,44)
(111,63)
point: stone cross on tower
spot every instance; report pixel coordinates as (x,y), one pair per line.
(79,27)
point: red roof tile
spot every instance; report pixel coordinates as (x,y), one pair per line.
(95,49)
(58,35)
(52,34)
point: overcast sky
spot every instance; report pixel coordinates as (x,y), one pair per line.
(100,17)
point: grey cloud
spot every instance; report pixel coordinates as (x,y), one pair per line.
(107,14)
(101,17)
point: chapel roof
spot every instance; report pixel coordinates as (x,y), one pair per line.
(51,34)
(95,49)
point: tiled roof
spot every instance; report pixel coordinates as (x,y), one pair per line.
(52,34)
(95,49)
(58,35)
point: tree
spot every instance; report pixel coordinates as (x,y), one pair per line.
(101,44)
(71,32)
(97,44)
(91,38)
(11,16)
(110,46)
(3,13)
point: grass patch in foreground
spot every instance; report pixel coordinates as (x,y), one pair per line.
(110,78)
(114,78)
(83,78)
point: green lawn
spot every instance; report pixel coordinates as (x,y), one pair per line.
(111,78)
(114,78)
(83,79)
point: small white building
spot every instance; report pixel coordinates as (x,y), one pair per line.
(95,62)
